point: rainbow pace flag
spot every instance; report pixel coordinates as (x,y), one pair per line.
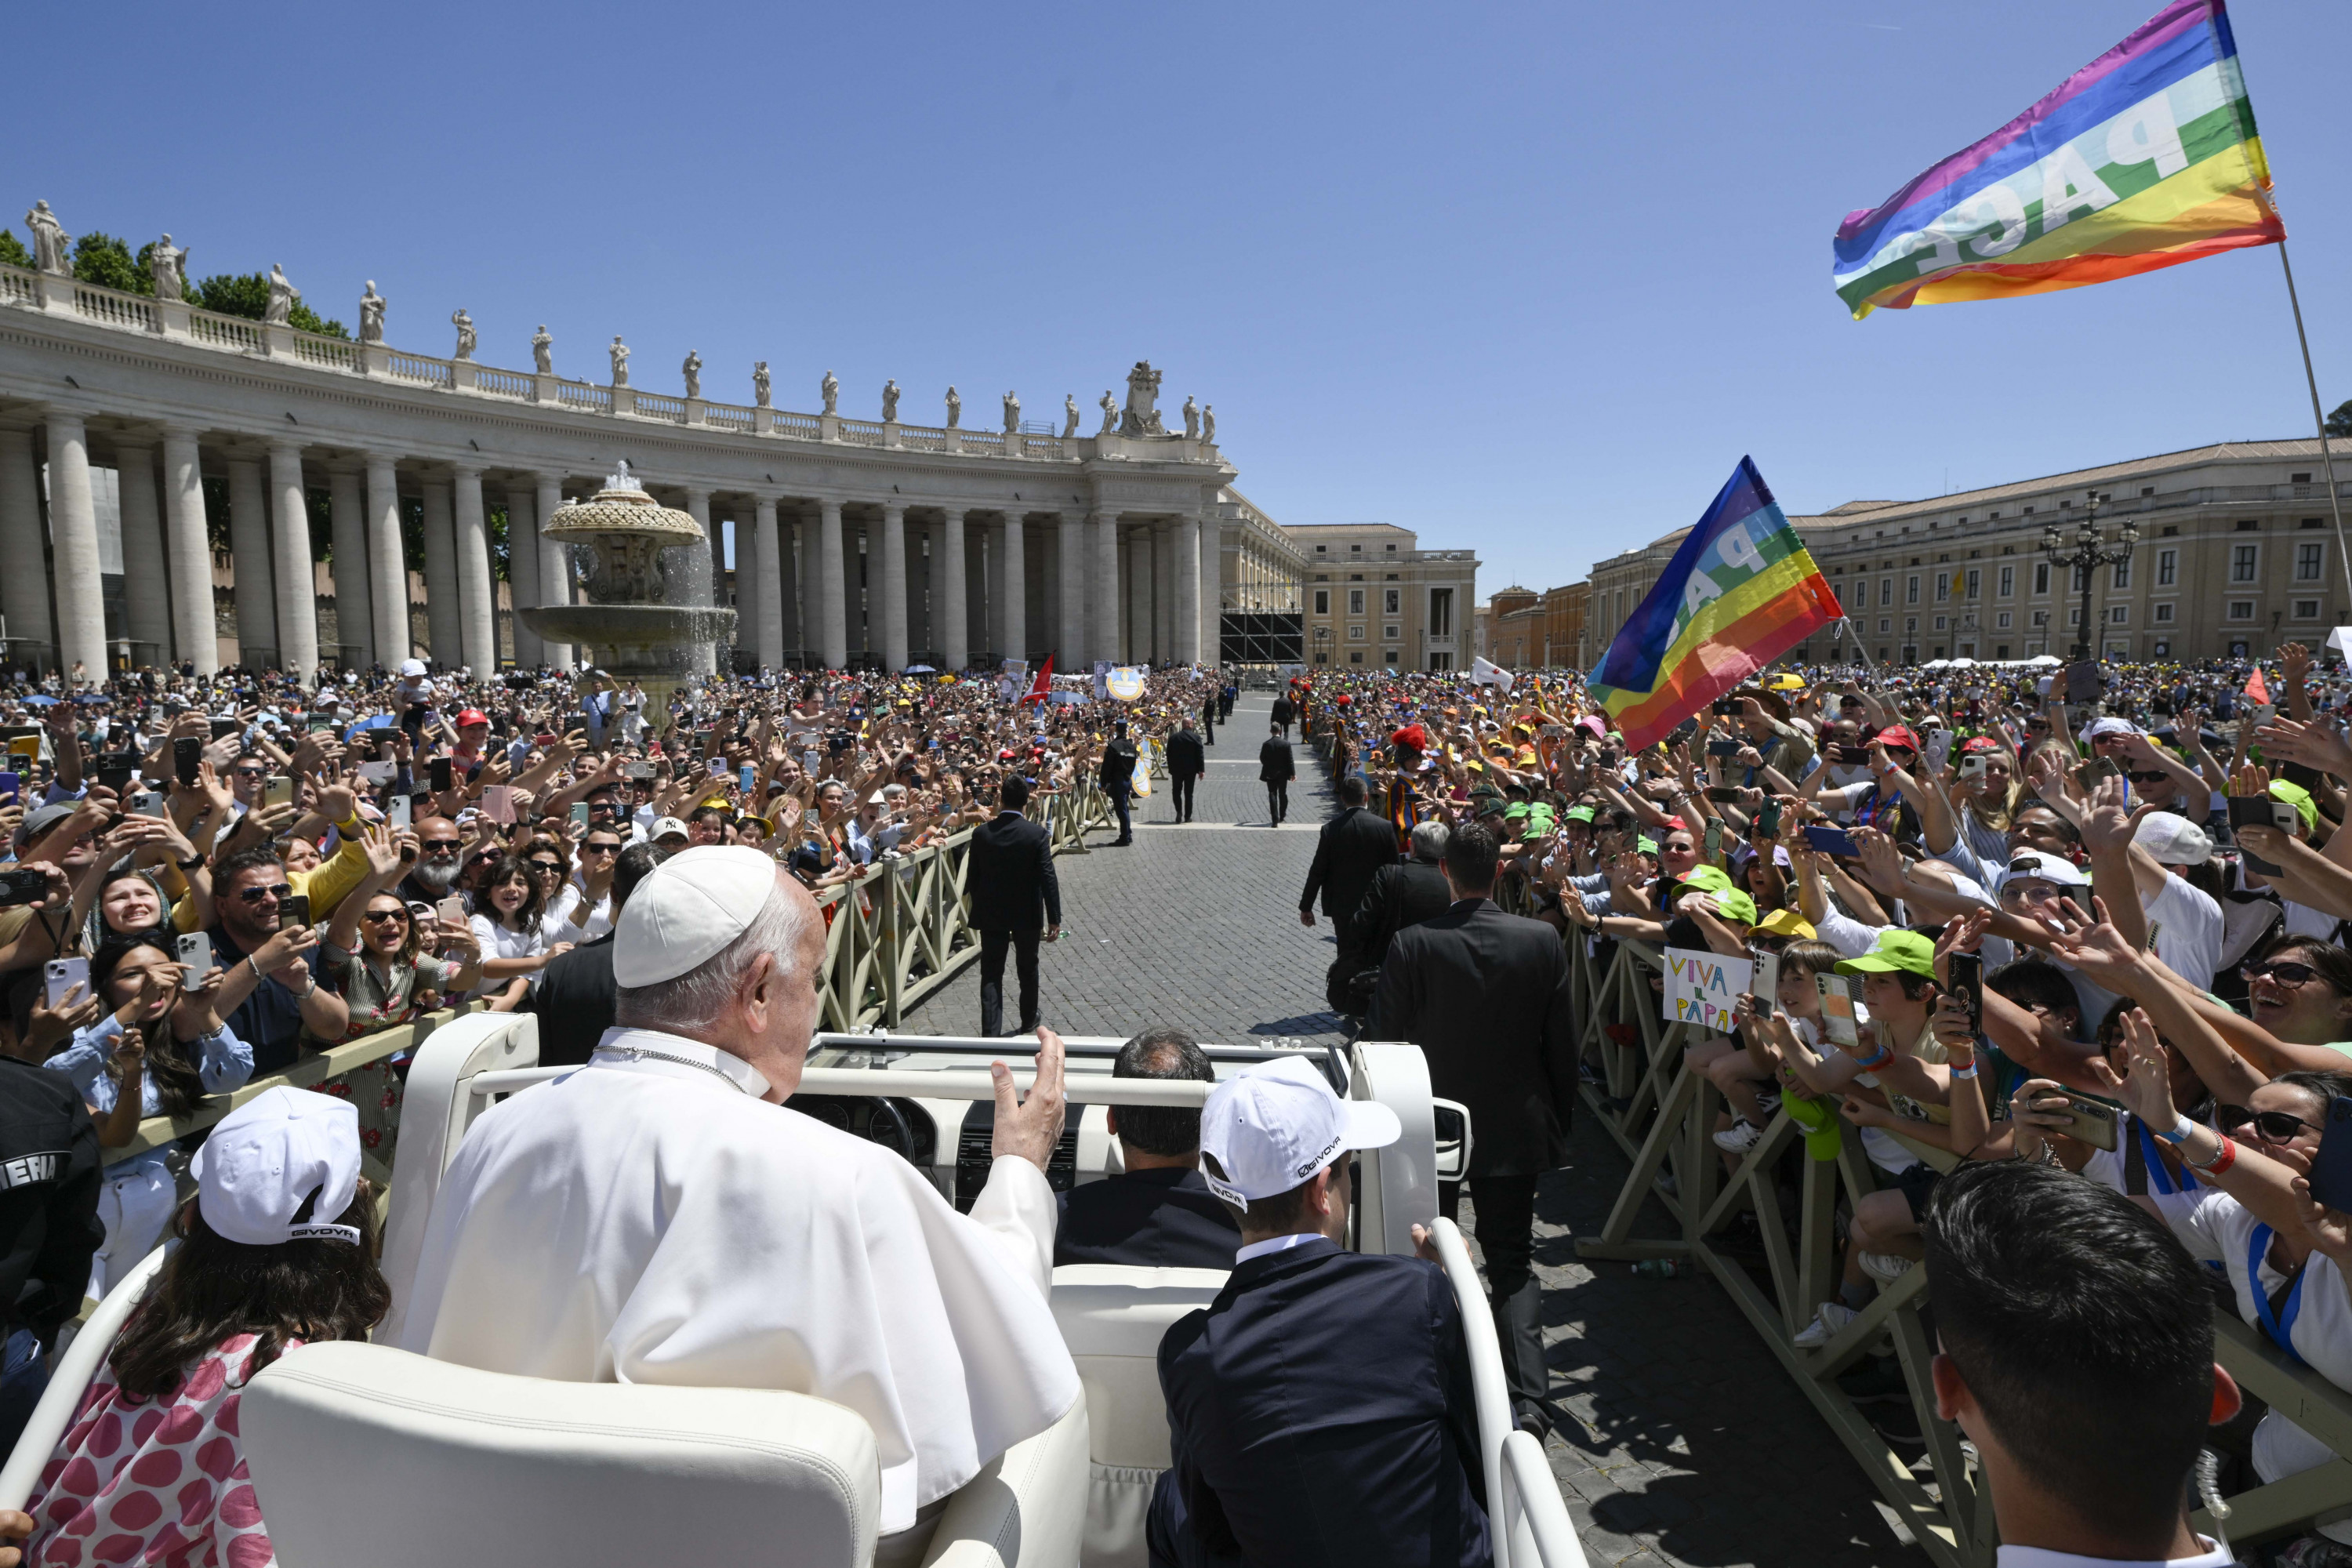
(2147,157)
(1740,591)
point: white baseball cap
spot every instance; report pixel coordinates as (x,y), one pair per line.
(664,827)
(2172,839)
(412,667)
(688,909)
(1274,1124)
(2030,864)
(267,1156)
(2098,729)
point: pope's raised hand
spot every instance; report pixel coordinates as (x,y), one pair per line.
(1032,1127)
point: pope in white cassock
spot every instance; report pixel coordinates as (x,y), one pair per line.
(660,1215)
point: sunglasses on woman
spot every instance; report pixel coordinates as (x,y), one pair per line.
(2270,1126)
(2285,971)
(376,916)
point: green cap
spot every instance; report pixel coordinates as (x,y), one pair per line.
(1539,821)
(1646,845)
(1898,950)
(1717,884)
(1516,811)
(2296,795)
(1577,813)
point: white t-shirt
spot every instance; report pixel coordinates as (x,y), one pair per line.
(497,942)
(2185,927)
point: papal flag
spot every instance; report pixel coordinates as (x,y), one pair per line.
(2147,157)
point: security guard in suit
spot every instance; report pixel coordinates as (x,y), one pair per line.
(1009,874)
(1354,847)
(1187,761)
(1116,776)
(1485,995)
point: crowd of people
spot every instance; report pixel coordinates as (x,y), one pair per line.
(2029,918)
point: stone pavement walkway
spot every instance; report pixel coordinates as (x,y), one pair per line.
(1688,1444)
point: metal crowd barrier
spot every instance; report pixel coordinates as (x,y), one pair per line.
(1662,1115)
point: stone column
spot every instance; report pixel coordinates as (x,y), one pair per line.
(949,596)
(355,611)
(73,544)
(1212,592)
(891,606)
(1073,552)
(832,588)
(1187,537)
(1016,588)
(1163,598)
(193,635)
(441,619)
(800,555)
(554,576)
(1106,585)
(477,626)
(248,546)
(387,565)
(767,589)
(522,572)
(709,592)
(24,591)
(146,599)
(298,585)
(1138,548)
(991,535)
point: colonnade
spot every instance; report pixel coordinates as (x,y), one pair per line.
(818,578)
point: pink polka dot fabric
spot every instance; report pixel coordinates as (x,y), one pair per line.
(139,1482)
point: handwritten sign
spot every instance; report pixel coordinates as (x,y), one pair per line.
(1701,986)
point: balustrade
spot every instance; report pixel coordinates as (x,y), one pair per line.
(654,405)
(802,426)
(416,367)
(335,354)
(983,441)
(727,417)
(18,287)
(922,438)
(580,394)
(859,432)
(234,333)
(114,308)
(502,382)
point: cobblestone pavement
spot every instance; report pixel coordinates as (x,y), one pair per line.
(1687,1444)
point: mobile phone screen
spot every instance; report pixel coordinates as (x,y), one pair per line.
(1837,1009)
(1966,970)
(1766,988)
(1832,840)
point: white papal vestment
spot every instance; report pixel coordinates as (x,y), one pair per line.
(653,1221)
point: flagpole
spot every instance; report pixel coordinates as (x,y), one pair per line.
(2327,456)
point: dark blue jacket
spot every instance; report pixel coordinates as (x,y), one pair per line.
(1319,1412)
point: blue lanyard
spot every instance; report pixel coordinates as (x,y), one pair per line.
(2282,1327)
(2155,1170)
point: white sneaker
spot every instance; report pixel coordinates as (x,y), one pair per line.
(1885,1267)
(1828,1319)
(1739,1137)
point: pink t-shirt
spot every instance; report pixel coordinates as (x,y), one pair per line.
(154,1481)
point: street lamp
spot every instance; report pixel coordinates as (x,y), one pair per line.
(2088,557)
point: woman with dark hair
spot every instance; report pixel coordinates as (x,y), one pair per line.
(506,923)
(153,1468)
(2301,991)
(185,1052)
(374,950)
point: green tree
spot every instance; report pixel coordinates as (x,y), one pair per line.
(247,295)
(2340,423)
(13,252)
(103,260)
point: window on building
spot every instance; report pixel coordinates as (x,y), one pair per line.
(1943,586)
(1355,634)
(2040,617)
(2248,525)
(2306,561)
(2123,573)
(1388,634)
(2168,567)
(1941,622)
(1321,548)
(1911,590)
(1322,601)
(1392,601)
(1440,611)
(2241,562)
(1976,581)
(2163,612)
(1356,658)
(1321,658)
(2306,609)
(1355,601)
(2079,579)
(2163,649)
(1885,624)
(1391,549)
(2042,577)
(2001,622)
(2118,614)
(1392,655)
(2007,581)
(1355,550)
(2241,609)
(1886,591)
(2001,650)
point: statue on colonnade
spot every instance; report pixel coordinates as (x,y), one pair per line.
(620,351)
(760,389)
(465,325)
(1069,415)
(1209,423)
(543,350)
(1143,417)
(167,264)
(1111,412)
(889,402)
(1012,415)
(692,370)
(371,308)
(1191,418)
(49,241)
(830,389)
(955,409)
(283,298)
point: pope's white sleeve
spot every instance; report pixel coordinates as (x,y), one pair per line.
(1018,1211)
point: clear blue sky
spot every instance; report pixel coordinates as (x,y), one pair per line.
(1527,279)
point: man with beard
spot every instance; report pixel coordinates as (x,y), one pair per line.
(439,842)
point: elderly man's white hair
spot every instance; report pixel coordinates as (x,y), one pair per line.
(1429,841)
(695,999)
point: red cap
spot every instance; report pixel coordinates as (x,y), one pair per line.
(1979,743)
(1412,735)
(1344,700)
(1896,735)
(468,716)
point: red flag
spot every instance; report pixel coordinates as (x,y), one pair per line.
(1045,687)
(2256,688)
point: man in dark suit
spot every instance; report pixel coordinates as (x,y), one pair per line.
(1225,699)
(1320,1411)
(1402,895)
(1116,776)
(1485,995)
(1008,875)
(574,999)
(1209,717)
(1283,714)
(1354,847)
(1158,1213)
(1276,770)
(1186,762)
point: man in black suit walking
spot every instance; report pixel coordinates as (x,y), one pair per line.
(1276,770)
(1209,717)
(1186,762)
(1116,776)
(1008,875)
(1485,995)
(1402,895)
(1354,847)
(1283,714)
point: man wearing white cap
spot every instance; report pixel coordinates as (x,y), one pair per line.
(660,1216)
(1319,1411)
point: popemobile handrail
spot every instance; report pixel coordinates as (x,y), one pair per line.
(1662,1114)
